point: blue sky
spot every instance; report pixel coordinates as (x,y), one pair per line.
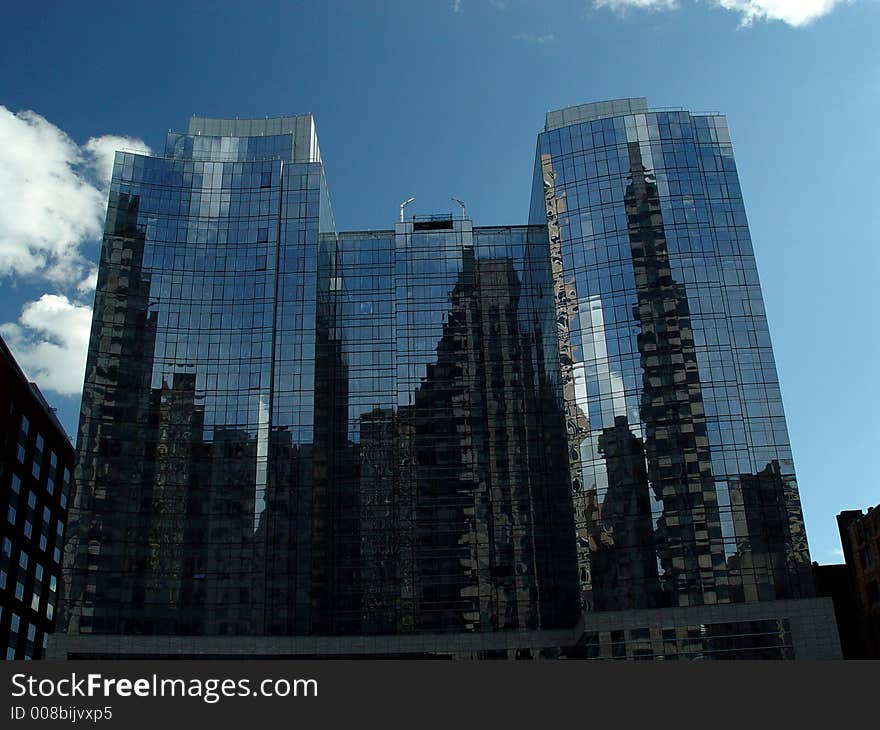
(444,98)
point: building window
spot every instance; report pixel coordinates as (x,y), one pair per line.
(22,440)
(65,488)
(53,468)
(38,457)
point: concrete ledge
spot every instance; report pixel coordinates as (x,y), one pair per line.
(813,631)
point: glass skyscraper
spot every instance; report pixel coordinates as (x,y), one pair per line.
(684,482)
(564,438)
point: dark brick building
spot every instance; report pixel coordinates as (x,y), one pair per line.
(36,463)
(860,538)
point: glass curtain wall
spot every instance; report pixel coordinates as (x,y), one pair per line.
(681,469)
(198,453)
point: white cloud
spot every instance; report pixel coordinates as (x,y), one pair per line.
(50,341)
(534,38)
(456,6)
(794,12)
(89,282)
(53,195)
(102,151)
(53,198)
(46,208)
(622,5)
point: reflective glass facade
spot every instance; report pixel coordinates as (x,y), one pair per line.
(213,308)
(747,640)
(436,428)
(682,472)
(465,520)
(287,431)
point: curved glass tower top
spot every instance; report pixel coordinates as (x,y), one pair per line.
(593,111)
(292,139)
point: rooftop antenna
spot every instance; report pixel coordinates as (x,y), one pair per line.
(403,205)
(463,207)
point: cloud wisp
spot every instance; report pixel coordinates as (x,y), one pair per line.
(50,341)
(796,13)
(624,5)
(53,198)
(536,39)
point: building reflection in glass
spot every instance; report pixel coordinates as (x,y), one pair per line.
(682,473)
(214,306)
(287,430)
(463,513)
